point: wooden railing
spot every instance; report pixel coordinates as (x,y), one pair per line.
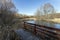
(46,33)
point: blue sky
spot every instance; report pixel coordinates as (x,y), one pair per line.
(29,7)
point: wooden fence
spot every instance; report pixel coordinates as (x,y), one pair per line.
(44,32)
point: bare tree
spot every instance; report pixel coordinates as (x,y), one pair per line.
(44,12)
(37,16)
(7,18)
(7,13)
(48,9)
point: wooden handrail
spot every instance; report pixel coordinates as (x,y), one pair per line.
(51,32)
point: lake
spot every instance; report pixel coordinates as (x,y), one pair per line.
(45,24)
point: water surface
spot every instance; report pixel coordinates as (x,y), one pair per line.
(46,24)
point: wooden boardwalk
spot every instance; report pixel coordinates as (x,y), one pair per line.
(25,35)
(43,32)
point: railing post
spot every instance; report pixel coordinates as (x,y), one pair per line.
(24,26)
(35,29)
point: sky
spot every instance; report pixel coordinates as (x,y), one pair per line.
(29,7)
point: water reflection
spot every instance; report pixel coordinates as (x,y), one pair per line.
(49,24)
(45,23)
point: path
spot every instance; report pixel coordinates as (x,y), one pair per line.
(26,35)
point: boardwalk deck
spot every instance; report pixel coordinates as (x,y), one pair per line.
(26,35)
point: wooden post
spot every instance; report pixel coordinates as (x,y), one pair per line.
(35,29)
(24,26)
